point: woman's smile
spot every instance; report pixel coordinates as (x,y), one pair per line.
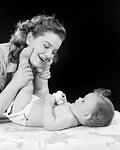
(42,58)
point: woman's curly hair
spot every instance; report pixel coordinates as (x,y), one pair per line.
(37,26)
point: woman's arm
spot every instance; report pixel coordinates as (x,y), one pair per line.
(7,96)
(19,80)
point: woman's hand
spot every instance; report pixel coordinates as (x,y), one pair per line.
(45,74)
(23,75)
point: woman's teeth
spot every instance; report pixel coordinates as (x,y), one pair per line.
(42,58)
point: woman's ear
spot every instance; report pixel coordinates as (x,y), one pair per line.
(29,38)
(86,116)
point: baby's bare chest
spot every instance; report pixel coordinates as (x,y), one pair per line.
(61,110)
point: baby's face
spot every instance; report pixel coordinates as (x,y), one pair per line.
(84,105)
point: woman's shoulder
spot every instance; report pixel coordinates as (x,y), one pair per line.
(4,48)
(4,44)
(4,64)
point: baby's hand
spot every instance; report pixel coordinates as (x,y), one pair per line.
(60,97)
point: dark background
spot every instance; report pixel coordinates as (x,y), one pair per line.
(90,56)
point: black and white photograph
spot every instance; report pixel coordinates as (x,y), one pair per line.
(60,75)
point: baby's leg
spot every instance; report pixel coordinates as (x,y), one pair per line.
(23,98)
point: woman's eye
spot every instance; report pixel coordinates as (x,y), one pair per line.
(54,52)
(46,46)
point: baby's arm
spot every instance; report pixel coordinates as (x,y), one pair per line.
(51,121)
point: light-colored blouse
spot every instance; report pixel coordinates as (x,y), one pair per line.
(5,65)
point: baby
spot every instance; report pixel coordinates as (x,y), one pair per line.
(53,112)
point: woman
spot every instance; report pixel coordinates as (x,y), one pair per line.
(38,39)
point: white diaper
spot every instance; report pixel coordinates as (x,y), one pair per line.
(22,116)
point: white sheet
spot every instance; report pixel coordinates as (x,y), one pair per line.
(16,137)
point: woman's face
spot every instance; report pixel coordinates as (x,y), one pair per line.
(45,47)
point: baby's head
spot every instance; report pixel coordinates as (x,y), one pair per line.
(95,109)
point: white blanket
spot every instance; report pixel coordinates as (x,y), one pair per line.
(16,137)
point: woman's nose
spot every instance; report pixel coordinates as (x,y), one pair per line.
(49,56)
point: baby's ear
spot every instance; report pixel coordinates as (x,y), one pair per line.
(86,116)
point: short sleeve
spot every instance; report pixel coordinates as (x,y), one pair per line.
(2,71)
(4,51)
(5,66)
